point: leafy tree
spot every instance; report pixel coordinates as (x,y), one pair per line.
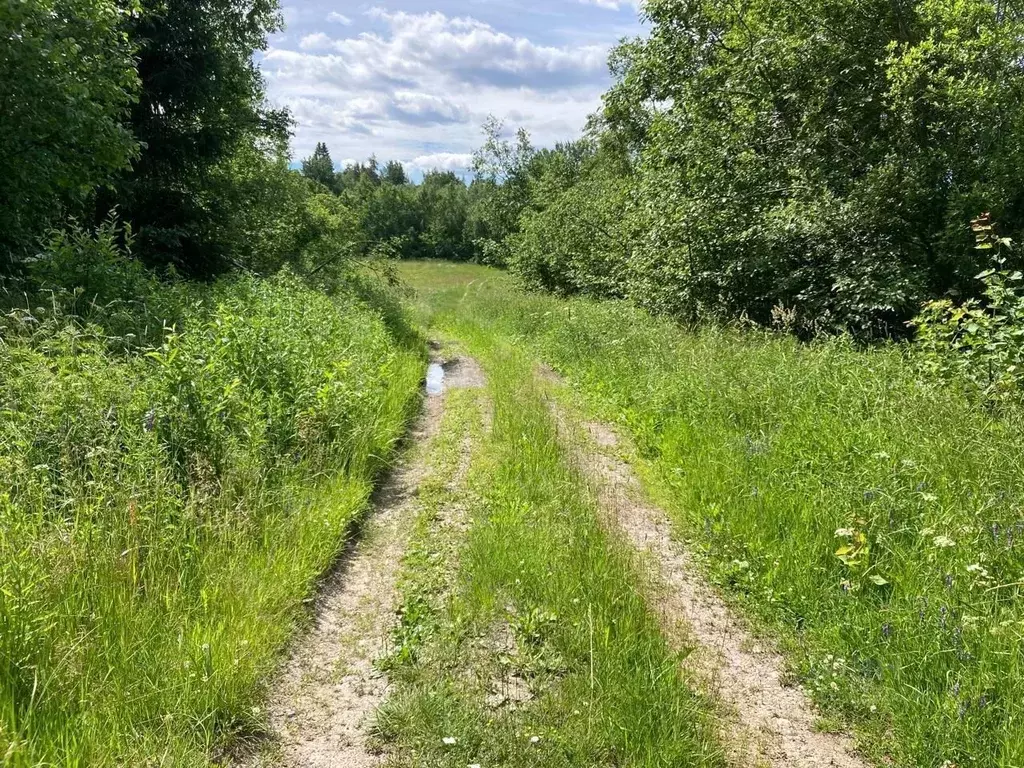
(67,77)
(823,155)
(444,200)
(501,168)
(573,238)
(202,100)
(320,168)
(357,174)
(393,215)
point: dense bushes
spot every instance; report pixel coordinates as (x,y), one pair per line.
(181,460)
(826,158)
(823,159)
(166,511)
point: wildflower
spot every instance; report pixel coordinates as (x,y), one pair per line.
(943,542)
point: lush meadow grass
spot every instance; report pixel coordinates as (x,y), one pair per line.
(165,512)
(870,517)
(528,642)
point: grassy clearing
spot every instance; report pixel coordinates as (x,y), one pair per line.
(538,650)
(165,513)
(773,457)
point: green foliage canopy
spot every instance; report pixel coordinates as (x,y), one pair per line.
(67,77)
(824,155)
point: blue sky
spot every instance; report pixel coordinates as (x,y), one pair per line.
(413,81)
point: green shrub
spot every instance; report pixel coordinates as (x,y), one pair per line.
(976,342)
(979,341)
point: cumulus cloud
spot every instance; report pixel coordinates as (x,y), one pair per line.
(460,50)
(612,5)
(418,85)
(442,161)
(316,41)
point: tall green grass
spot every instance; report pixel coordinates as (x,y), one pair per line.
(871,517)
(541,598)
(165,511)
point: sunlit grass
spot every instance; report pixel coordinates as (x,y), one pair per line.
(773,456)
(539,650)
(165,515)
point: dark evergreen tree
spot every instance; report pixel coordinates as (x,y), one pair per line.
(319,167)
(202,100)
(394,173)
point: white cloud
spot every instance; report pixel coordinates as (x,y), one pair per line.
(316,41)
(612,5)
(339,18)
(419,85)
(441,161)
(462,50)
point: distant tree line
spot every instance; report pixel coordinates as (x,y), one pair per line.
(440,217)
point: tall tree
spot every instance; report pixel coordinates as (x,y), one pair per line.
(501,188)
(394,173)
(202,100)
(319,167)
(825,155)
(67,78)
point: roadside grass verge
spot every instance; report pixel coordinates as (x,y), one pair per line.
(871,519)
(538,650)
(167,510)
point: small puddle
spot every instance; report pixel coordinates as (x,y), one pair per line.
(435,379)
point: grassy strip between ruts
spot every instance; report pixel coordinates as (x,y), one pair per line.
(871,518)
(538,650)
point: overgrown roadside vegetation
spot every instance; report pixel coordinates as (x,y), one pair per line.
(539,650)
(865,513)
(167,510)
(198,385)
